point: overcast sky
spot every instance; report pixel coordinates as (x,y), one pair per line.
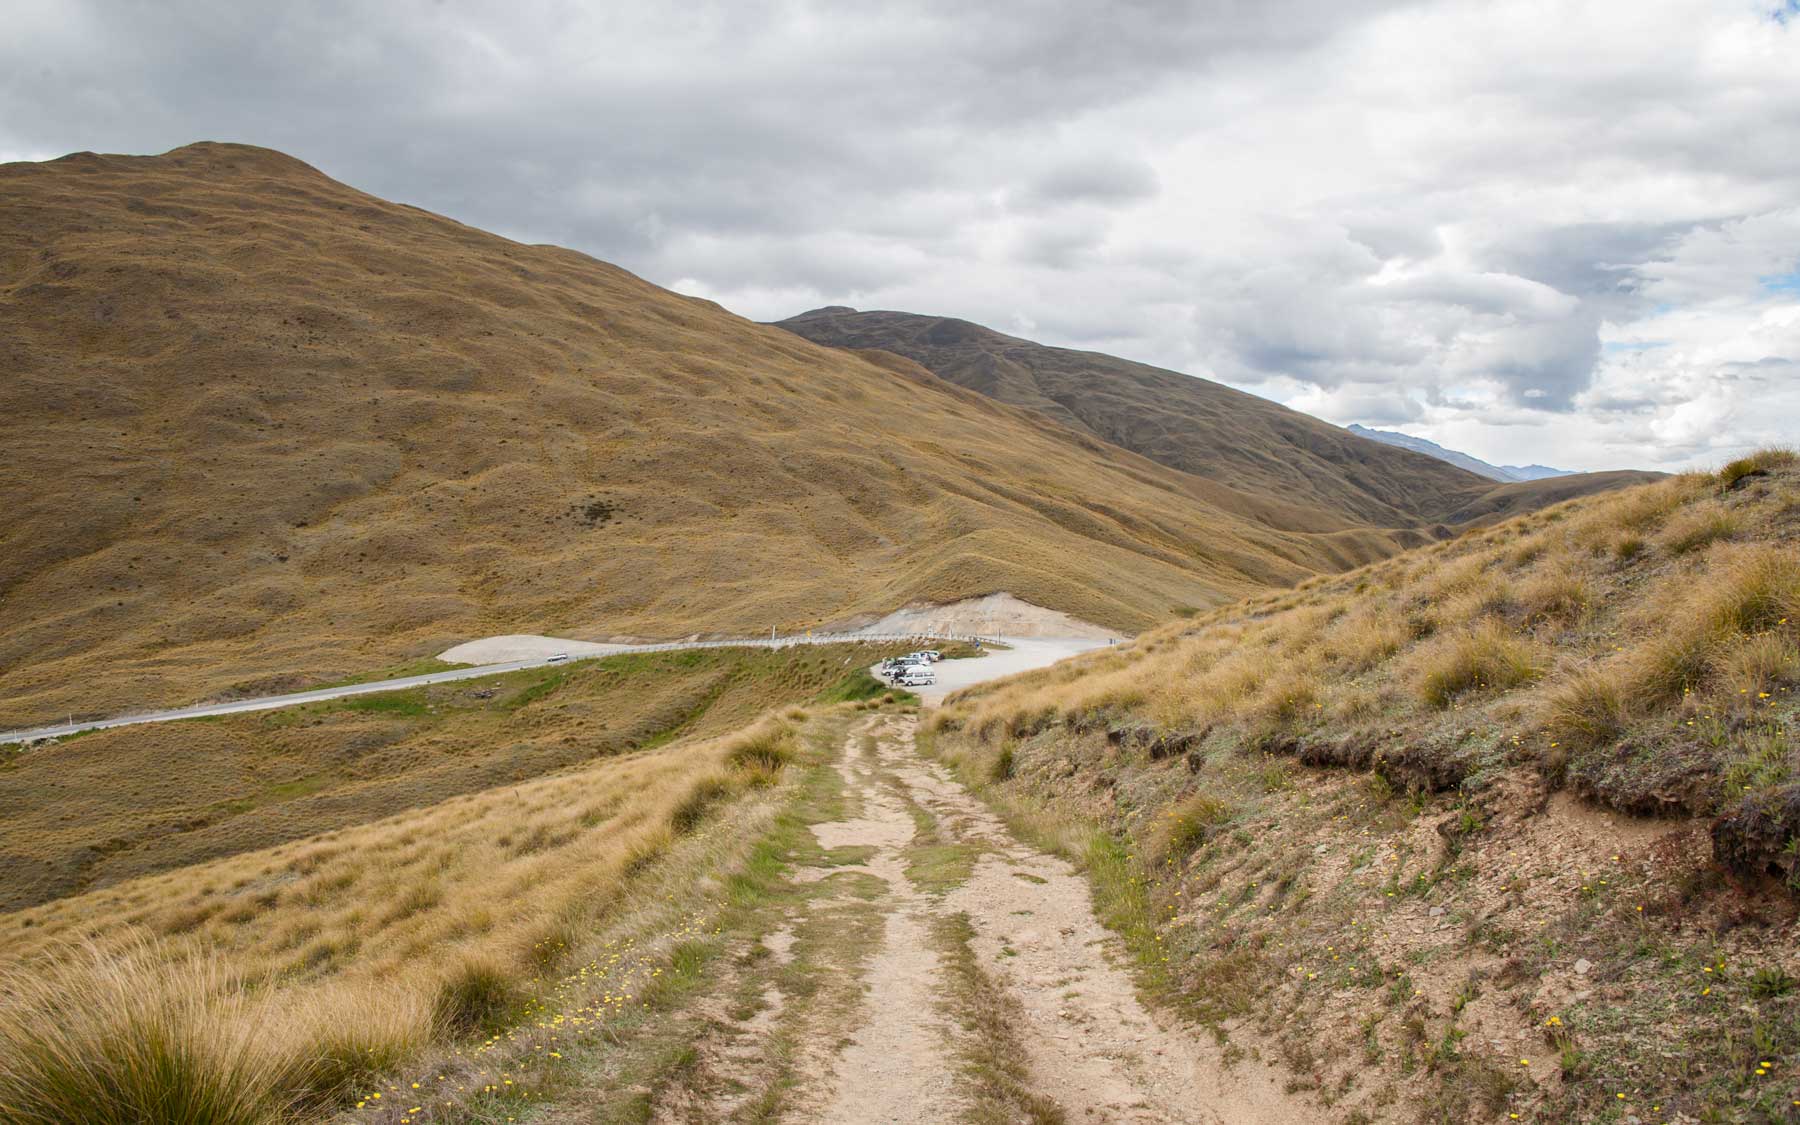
(1551,231)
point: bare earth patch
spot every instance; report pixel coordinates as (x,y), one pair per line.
(1090,1050)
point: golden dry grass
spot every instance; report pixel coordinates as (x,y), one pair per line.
(132,801)
(1385,892)
(134,1036)
(1536,640)
(281,980)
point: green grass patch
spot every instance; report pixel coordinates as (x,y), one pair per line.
(938,868)
(546,686)
(853,688)
(996,1069)
(409,704)
(424,666)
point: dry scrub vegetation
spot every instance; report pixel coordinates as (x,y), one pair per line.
(284,981)
(1465,906)
(113,805)
(1640,647)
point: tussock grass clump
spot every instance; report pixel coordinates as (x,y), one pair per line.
(1669,666)
(118,1041)
(1558,594)
(478,996)
(1484,657)
(646,848)
(132,1037)
(1760,463)
(1185,826)
(1752,589)
(1287,699)
(1758,663)
(1586,708)
(761,751)
(1700,631)
(1699,527)
(1003,764)
(691,810)
(1361,640)
(337,1057)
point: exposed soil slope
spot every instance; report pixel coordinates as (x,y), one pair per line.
(1327,476)
(263,429)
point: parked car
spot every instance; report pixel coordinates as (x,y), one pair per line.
(558,658)
(915,678)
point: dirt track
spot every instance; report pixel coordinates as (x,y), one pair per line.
(1089,1046)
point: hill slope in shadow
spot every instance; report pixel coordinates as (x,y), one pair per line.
(1201,427)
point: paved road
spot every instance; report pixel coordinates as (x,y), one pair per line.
(994,663)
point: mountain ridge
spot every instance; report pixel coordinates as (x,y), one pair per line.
(1238,440)
(1503,473)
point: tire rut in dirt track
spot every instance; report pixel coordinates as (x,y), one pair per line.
(1092,1046)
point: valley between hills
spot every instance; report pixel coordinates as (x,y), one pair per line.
(1405,795)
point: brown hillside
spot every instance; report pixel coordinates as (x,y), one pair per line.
(1329,477)
(263,429)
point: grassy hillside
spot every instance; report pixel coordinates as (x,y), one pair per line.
(265,430)
(1505,825)
(1255,451)
(477,943)
(115,805)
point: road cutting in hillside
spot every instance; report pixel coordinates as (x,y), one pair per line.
(1080,1045)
